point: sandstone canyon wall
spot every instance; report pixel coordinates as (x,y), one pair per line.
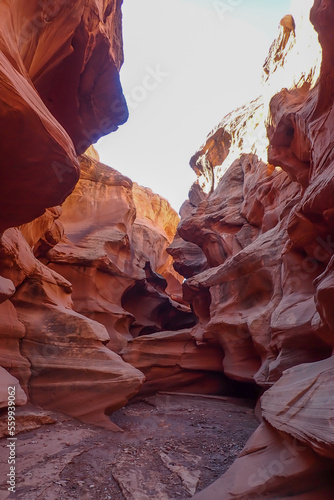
(60,339)
(82,281)
(261,277)
(60,90)
(94,309)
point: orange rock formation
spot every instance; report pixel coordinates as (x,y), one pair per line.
(60,91)
(265,229)
(82,280)
(93,307)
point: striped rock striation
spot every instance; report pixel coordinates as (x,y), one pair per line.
(260,277)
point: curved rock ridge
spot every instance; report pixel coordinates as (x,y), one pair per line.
(293,62)
(56,354)
(81,281)
(114,254)
(273,466)
(261,281)
(173,361)
(60,91)
(301,404)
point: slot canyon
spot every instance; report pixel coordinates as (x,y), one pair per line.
(155,356)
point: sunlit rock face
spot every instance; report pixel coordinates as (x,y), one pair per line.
(81,281)
(263,227)
(114,253)
(260,253)
(293,61)
(60,91)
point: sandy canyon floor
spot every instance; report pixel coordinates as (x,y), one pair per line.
(171,447)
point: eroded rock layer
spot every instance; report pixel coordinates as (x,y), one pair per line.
(60,91)
(173,361)
(115,255)
(92,309)
(261,279)
(81,281)
(52,348)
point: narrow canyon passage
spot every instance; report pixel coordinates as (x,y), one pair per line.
(138,345)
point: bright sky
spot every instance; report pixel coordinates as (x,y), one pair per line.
(187,64)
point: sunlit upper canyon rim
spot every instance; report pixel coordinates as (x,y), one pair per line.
(146,354)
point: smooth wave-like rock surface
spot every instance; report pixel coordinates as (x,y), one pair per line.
(273,466)
(172,361)
(264,224)
(57,355)
(105,295)
(114,254)
(301,404)
(60,91)
(81,281)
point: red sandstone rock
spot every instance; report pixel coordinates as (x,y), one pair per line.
(59,83)
(7,289)
(324,303)
(12,331)
(27,418)
(266,232)
(152,232)
(188,257)
(245,301)
(301,404)
(57,354)
(110,255)
(172,361)
(273,465)
(114,254)
(258,295)
(256,251)
(45,232)
(9,385)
